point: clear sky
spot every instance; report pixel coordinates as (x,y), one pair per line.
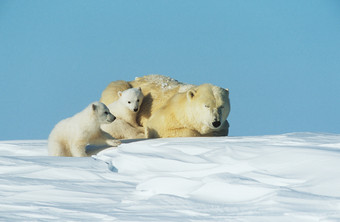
(280,59)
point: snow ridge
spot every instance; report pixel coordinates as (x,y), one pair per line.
(289,177)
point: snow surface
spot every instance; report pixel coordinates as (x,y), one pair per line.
(289,177)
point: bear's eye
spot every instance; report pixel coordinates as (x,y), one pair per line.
(137,100)
(206,106)
(106,113)
(129,102)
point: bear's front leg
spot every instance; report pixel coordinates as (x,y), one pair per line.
(181,132)
(78,150)
(104,138)
(109,140)
(113,142)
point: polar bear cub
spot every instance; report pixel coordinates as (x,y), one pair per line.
(125,109)
(70,136)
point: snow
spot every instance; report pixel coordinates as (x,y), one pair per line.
(289,177)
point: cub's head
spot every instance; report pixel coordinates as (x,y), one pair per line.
(131,98)
(102,113)
(209,105)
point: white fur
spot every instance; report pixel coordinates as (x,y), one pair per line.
(201,111)
(125,109)
(70,136)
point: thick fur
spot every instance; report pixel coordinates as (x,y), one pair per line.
(70,136)
(201,111)
(125,109)
(158,89)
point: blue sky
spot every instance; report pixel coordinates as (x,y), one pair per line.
(280,59)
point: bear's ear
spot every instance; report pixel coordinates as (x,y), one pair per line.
(227,90)
(190,94)
(120,93)
(140,89)
(94,107)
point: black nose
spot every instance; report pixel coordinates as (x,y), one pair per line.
(216,124)
(112,118)
(136,109)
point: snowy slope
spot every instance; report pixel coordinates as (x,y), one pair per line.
(290,177)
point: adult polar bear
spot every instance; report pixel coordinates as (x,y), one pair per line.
(201,111)
(158,89)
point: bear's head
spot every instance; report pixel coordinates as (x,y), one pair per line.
(209,106)
(131,98)
(102,113)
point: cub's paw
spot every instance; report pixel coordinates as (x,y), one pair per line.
(114,142)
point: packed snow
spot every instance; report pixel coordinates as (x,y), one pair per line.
(289,177)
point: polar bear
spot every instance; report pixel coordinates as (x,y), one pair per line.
(125,110)
(70,136)
(201,111)
(157,90)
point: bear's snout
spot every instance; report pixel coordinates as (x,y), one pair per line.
(135,109)
(111,118)
(216,124)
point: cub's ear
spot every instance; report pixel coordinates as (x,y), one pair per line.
(190,94)
(227,90)
(94,107)
(120,93)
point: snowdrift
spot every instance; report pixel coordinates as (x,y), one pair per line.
(289,177)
